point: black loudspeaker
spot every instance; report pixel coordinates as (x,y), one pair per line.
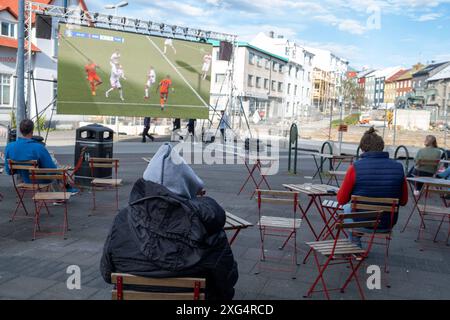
(43,27)
(225,51)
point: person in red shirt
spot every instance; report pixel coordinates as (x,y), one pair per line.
(164,87)
(92,76)
(376,176)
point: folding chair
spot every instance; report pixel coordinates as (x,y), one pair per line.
(388,206)
(22,188)
(71,176)
(42,198)
(161,288)
(279,226)
(343,251)
(113,183)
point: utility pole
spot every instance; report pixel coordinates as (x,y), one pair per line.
(20,70)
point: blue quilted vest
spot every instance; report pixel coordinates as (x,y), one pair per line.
(379,177)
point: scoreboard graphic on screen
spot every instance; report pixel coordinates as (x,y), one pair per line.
(107,72)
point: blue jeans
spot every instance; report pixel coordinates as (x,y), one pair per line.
(355,238)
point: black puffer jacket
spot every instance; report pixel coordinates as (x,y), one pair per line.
(161,234)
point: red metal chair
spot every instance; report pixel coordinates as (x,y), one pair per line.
(178,288)
(388,206)
(343,251)
(23,189)
(42,198)
(102,183)
(279,226)
(71,175)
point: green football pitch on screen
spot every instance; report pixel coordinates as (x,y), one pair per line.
(106,72)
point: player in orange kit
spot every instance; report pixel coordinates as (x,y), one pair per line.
(92,76)
(163,87)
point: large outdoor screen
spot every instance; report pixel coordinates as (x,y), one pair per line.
(105,72)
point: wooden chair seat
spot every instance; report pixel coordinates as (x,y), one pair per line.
(31,186)
(331,204)
(111,182)
(279,222)
(54,196)
(337,173)
(343,247)
(433,209)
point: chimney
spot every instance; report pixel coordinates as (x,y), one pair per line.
(271,34)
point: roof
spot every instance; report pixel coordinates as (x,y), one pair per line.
(216,43)
(443,74)
(12,43)
(425,71)
(386,72)
(365,73)
(396,75)
(409,74)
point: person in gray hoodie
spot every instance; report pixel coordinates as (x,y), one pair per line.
(169,230)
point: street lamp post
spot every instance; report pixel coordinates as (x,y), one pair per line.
(116,6)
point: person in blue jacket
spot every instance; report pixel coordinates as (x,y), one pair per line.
(25,148)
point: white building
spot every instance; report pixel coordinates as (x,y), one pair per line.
(44,61)
(297,75)
(258,80)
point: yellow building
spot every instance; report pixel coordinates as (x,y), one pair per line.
(324,93)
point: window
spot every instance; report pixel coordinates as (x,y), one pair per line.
(309,76)
(220,77)
(250,81)
(5,89)
(287,107)
(289,88)
(267,64)
(258,82)
(274,85)
(280,86)
(290,71)
(409,83)
(218,55)
(251,58)
(280,67)
(275,66)
(266,84)
(8,29)
(295,90)
(259,60)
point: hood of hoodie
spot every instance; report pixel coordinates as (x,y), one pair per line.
(169,169)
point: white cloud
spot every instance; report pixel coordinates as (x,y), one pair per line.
(347,25)
(429,17)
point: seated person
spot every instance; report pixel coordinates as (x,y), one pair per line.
(374,175)
(430,152)
(26,148)
(167,230)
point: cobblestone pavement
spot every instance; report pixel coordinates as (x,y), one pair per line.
(37,269)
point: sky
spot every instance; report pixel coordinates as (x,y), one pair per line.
(368,33)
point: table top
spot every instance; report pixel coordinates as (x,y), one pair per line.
(233,222)
(313,189)
(431,181)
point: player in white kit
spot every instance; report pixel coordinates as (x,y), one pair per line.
(114,61)
(116,74)
(206,64)
(151,79)
(169,43)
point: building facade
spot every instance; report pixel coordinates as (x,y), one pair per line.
(403,84)
(390,90)
(438,87)
(257,80)
(298,72)
(419,79)
(380,77)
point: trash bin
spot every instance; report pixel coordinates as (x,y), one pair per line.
(98,141)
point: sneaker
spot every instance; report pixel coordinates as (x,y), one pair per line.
(121,98)
(107,94)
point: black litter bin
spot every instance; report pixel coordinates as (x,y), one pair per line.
(98,141)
